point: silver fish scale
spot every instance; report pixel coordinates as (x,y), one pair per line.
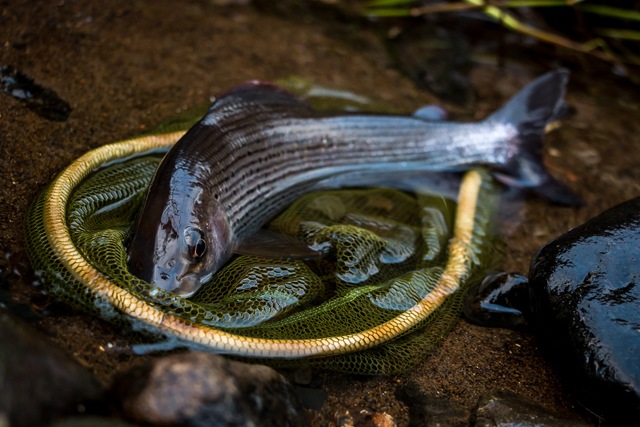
(263,163)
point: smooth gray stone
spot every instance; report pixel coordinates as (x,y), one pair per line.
(202,389)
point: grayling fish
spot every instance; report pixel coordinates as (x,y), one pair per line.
(259,148)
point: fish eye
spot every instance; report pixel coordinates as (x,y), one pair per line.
(200,248)
(196,245)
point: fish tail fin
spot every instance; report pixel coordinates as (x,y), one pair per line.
(538,104)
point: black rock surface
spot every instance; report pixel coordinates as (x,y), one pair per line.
(585,296)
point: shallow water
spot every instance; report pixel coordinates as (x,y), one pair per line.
(125,67)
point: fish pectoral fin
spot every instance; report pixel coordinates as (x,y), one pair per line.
(271,244)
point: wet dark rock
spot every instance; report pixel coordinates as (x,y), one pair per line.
(427,410)
(585,289)
(505,409)
(201,389)
(39,382)
(500,301)
(44,102)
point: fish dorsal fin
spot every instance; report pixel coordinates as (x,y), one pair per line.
(255,93)
(270,244)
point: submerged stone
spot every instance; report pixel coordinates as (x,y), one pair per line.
(435,59)
(585,290)
(44,102)
(500,301)
(506,409)
(426,409)
(493,409)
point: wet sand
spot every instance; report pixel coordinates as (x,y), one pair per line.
(126,66)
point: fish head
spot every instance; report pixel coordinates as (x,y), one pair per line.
(179,244)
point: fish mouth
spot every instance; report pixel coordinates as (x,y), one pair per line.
(187,286)
(182,285)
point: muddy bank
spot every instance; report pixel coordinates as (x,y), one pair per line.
(124,67)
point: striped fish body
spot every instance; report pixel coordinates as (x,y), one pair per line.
(259,148)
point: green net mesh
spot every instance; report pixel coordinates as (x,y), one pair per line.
(386,251)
